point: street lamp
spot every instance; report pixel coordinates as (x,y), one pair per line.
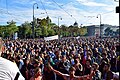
(33,20)
(100,24)
(59,18)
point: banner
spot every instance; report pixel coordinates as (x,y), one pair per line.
(51,38)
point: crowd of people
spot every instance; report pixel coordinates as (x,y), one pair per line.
(67,59)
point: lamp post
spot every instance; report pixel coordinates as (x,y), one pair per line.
(59,18)
(118,11)
(33,20)
(100,25)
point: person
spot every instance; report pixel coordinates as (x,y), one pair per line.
(104,57)
(25,69)
(107,73)
(48,74)
(78,67)
(33,66)
(87,67)
(37,74)
(113,61)
(8,69)
(63,66)
(95,67)
(19,62)
(71,75)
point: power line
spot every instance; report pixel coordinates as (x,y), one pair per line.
(9,14)
(86,20)
(94,16)
(13,15)
(63,9)
(66,3)
(7,6)
(44,7)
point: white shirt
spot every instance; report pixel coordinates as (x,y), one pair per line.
(8,70)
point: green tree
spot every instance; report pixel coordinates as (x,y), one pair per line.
(83,31)
(2,31)
(64,30)
(38,31)
(25,30)
(55,28)
(44,31)
(11,28)
(46,26)
(70,29)
(73,29)
(51,32)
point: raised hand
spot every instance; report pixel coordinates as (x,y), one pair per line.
(50,67)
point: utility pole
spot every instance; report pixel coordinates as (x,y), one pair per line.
(118,11)
(59,18)
(33,32)
(100,25)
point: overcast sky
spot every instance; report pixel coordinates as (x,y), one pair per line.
(82,11)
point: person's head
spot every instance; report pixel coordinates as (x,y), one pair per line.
(37,72)
(96,50)
(36,63)
(77,61)
(106,67)
(104,55)
(95,66)
(78,56)
(72,71)
(26,61)
(88,62)
(88,56)
(113,53)
(63,58)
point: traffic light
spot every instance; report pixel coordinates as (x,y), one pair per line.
(117,9)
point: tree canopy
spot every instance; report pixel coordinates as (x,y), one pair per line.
(42,27)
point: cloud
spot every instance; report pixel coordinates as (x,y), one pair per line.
(83,0)
(109,8)
(111,18)
(25,1)
(21,14)
(91,3)
(94,4)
